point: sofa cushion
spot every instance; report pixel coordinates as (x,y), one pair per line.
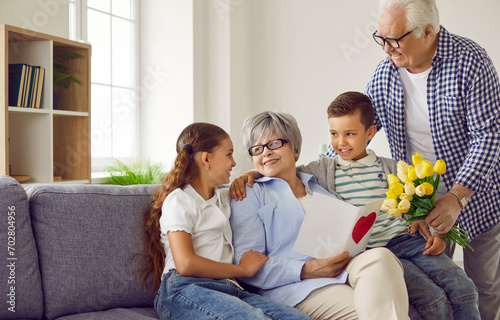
(88,238)
(116,314)
(19,273)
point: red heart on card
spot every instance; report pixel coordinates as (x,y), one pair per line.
(362,226)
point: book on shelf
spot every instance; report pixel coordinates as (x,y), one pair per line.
(25,85)
(17,72)
(29,87)
(27,79)
(39,88)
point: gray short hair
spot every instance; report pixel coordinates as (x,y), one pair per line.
(418,12)
(261,126)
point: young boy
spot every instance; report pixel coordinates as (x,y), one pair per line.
(437,287)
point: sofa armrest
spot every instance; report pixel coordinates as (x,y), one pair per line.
(19,273)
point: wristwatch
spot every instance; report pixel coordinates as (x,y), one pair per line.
(462,198)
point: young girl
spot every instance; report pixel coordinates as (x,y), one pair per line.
(188,238)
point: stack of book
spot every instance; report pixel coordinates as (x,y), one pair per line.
(25,85)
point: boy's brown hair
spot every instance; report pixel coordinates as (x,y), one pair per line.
(348,103)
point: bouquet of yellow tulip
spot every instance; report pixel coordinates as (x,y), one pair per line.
(413,193)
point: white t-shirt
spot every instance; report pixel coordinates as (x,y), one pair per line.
(305,201)
(206,220)
(417,122)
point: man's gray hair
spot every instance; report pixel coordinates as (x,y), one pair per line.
(258,128)
(418,12)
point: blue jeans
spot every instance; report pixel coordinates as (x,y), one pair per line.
(200,298)
(437,287)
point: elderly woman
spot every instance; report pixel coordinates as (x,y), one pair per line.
(369,286)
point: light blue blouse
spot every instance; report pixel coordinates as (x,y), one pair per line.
(268,220)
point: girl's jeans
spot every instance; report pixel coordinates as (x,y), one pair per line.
(200,298)
(437,287)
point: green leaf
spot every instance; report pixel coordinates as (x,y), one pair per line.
(59,68)
(59,65)
(68,54)
(414,218)
(62,79)
(134,172)
(421,211)
(424,203)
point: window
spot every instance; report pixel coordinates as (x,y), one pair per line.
(110,26)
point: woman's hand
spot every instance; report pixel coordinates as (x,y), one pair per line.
(251,262)
(237,189)
(325,268)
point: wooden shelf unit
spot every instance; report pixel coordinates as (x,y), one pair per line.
(39,142)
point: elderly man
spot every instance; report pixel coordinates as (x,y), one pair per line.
(439,94)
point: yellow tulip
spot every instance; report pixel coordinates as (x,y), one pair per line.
(404,196)
(419,170)
(409,188)
(389,204)
(392,179)
(416,159)
(427,169)
(402,176)
(390,195)
(395,213)
(420,191)
(429,188)
(402,169)
(440,167)
(396,188)
(412,173)
(404,206)
(402,166)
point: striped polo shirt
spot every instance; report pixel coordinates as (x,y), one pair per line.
(362,181)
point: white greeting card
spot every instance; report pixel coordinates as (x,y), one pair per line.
(332,226)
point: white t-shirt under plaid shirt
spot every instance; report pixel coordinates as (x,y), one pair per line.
(362,181)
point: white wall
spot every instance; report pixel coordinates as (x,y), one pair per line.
(46,16)
(221,60)
(297,56)
(166,76)
(302,54)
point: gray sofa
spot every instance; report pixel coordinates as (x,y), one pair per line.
(72,252)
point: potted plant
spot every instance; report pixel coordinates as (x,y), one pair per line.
(61,75)
(134,172)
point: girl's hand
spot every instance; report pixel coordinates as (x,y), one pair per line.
(237,189)
(252,261)
(435,245)
(325,268)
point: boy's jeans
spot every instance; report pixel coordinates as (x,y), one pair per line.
(437,287)
(200,298)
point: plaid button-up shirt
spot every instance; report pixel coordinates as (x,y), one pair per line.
(463,96)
